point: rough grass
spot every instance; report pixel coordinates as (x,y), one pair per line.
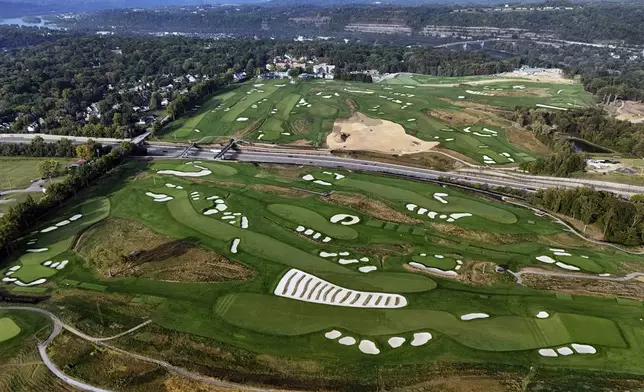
(17,173)
(122,248)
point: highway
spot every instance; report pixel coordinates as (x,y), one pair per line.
(323,158)
(480,175)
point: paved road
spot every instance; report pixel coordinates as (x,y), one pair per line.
(36,186)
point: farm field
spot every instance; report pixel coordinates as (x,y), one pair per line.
(448,112)
(382,272)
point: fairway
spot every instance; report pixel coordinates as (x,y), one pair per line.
(402,271)
(446,111)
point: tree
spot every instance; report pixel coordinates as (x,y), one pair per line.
(49,168)
(154,101)
(87,151)
(117,119)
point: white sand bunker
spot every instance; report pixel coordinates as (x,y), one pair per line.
(344,219)
(479,93)
(421,338)
(337,176)
(333,334)
(539,105)
(433,269)
(302,286)
(433,214)
(367,269)
(39,250)
(474,316)
(396,341)
(309,177)
(203,172)
(48,229)
(347,341)
(362,133)
(547,352)
(242,119)
(584,348)
(368,347)
(159,197)
(565,351)
(441,197)
(312,233)
(543,315)
(566,266)
(545,259)
(234,245)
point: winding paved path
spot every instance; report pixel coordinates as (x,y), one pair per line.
(58,327)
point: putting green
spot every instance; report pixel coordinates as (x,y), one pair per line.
(313,220)
(8,329)
(431,261)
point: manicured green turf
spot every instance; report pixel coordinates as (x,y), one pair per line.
(313,220)
(248,315)
(276,113)
(8,329)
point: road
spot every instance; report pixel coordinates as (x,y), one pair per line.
(59,326)
(36,186)
(470,174)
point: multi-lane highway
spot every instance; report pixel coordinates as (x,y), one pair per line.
(479,175)
(322,158)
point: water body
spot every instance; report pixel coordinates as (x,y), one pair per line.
(20,22)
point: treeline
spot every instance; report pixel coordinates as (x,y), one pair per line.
(356,77)
(621,221)
(25,215)
(196,94)
(583,22)
(62,148)
(628,86)
(561,162)
(590,124)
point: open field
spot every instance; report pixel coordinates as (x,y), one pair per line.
(320,279)
(457,116)
(17,173)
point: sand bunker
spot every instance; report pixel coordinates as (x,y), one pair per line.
(362,133)
(539,105)
(543,315)
(344,219)
(333,334)
(474,316)
(368,347)
(159,197)
(421,338)
(432,269)
(440,197)
(302,286)
(566,266)
(201,173)
(584,348)
(367,269)
(234,245)
(547,352)
(48,229)
(347,341)
(545,259)
(396,341)
(39,250)
(564,351)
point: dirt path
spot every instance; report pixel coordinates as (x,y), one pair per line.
(58,327)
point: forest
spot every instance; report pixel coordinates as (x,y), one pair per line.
(620,221)
(588,22)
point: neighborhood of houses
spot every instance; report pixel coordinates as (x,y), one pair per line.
(138,95)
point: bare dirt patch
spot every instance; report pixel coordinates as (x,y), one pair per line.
(453,117)
(363,133)
(477,273)
(434,159)
(301,126)
(372,207)
(526,140)
(300,143)
(281,191)
(630,289)
(120,248)
(553,75)
(629,111)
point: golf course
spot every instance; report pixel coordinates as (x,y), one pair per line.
(324,266)
(402,115)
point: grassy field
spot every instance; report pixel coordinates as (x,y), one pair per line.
(17,173)
(463,118)
(244,314)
